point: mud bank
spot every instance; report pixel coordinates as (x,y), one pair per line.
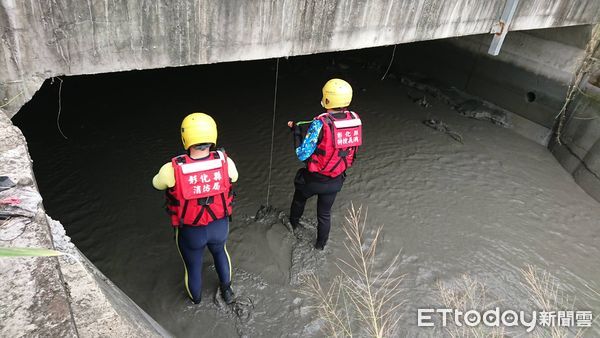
(485,207)
(62,296)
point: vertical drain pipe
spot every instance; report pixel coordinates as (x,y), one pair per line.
(500,28)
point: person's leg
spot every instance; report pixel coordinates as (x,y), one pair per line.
(301,194)
(190,243)
(218,232)
(297,207)
(324,204)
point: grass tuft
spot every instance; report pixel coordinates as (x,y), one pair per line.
(360,301)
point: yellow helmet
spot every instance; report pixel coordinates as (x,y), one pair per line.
(337,93)
(198,128)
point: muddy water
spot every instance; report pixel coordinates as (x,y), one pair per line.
(484,208)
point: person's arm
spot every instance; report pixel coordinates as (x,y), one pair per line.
(165,178)
(232,170)
(309,144)
(297,131)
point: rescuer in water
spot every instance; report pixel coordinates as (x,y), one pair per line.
(328,149)
(198,191)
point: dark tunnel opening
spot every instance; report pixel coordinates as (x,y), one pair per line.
(493,201)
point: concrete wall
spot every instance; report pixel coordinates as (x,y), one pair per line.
(531,73)
(42,39)
(579,152)
(538,63)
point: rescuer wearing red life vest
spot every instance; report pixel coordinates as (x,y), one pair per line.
(328,149)
(199,197)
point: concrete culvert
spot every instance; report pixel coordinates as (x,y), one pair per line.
(475,191)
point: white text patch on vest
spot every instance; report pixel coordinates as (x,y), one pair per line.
(201,166)
(347,123)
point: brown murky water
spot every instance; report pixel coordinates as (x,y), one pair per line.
(485,208)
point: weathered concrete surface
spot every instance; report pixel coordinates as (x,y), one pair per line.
(539,63)
(534,63)
(41,39)
(33,299)
(50,296)
(579,152)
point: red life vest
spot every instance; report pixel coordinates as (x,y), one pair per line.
(202,191)
(340,139)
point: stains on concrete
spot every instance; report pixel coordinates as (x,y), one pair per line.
(32,296)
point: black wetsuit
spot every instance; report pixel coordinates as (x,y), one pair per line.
(308,184)
(191,241)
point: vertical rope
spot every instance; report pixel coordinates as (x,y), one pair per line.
(390,65)
(272,132)
(60,108)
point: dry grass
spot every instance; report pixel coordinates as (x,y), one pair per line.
(330,305)
(588,64)
(360,301)
(467,294)
(543,292)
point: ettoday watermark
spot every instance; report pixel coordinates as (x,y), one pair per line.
(504,318)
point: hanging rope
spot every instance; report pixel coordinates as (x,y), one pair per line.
(390,65)
(272,132)
(59,107)
(11,100)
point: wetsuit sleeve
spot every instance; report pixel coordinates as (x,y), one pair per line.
(232,170)
(309,144)
(165,178)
